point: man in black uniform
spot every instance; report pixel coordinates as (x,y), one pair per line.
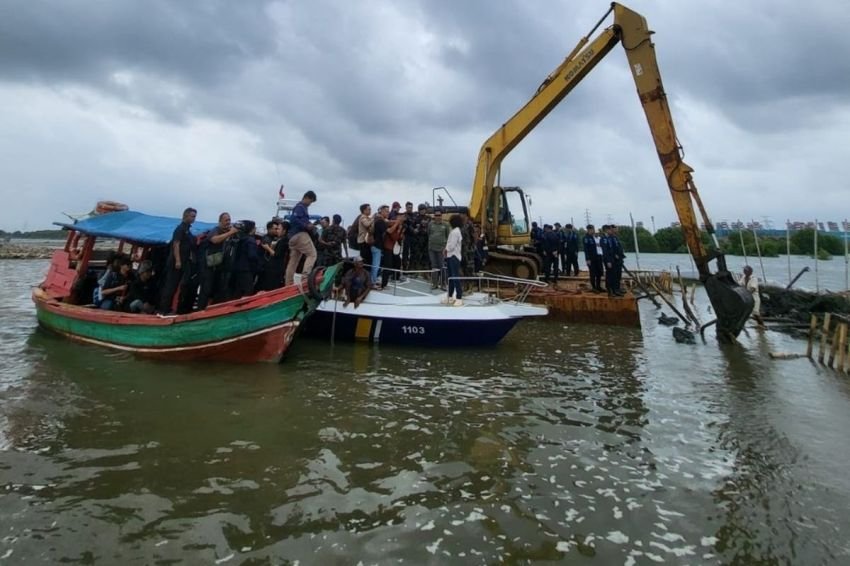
(551,245)
(593,258)
(178,267)
(571,248)
(613,262)
(411,219)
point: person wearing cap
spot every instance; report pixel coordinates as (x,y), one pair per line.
(356,283)
(300,242)
(751,283)
(394,210)
(143,293)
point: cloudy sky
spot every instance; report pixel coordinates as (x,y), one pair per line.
(214,103)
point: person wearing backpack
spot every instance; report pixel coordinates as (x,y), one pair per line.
(351,236)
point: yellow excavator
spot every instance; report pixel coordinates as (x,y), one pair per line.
(490,206)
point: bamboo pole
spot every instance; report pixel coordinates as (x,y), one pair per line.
(823,337)
(637,248)
(833,350)
(685,305)
(672,306)
(788,247)
(741,234)
(817,280)
(758,252)
(813,328)
(842,346)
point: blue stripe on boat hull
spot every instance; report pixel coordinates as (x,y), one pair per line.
(432,333)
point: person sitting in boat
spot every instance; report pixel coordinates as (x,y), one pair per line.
(110,293)
(751,283)
(143,293)
(356,283)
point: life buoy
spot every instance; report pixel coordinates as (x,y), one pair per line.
(107,206)
(314,288)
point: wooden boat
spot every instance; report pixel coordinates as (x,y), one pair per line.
(256,328)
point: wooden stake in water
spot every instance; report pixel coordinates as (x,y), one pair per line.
(842,346)
(637,247)
(824,336)
(813,328)
(788,247)
(758,253)
(817,280)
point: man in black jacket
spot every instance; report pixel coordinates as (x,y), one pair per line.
(593,258)
(613,262)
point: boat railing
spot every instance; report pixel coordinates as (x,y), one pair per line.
(484,281)
(522,286)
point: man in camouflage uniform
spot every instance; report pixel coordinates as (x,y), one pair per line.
(467,246)
(331,241)
(408,227)
(419,241)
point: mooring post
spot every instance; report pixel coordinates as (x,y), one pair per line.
(842,346)
(824,335)
(833,350)
(813,327)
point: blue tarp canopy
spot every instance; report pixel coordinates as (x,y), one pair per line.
(134,227)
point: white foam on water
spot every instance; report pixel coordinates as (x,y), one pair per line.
(432,548)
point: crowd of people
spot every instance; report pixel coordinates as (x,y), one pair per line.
(603,254)
(231,260)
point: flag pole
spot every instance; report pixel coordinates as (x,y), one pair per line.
(817,280)
(637,248)
(788,246)
(758,252)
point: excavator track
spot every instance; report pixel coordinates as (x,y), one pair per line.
(513,263)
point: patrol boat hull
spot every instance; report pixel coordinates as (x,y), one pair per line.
(420,320)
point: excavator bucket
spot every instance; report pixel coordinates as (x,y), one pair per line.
(732,304)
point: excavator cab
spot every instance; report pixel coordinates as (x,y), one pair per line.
(512,227)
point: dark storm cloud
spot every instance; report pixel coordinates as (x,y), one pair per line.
(765,65)
(348,94)
(199,45)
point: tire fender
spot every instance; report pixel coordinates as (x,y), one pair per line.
(314,288)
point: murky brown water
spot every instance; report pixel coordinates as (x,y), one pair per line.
(574,444)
